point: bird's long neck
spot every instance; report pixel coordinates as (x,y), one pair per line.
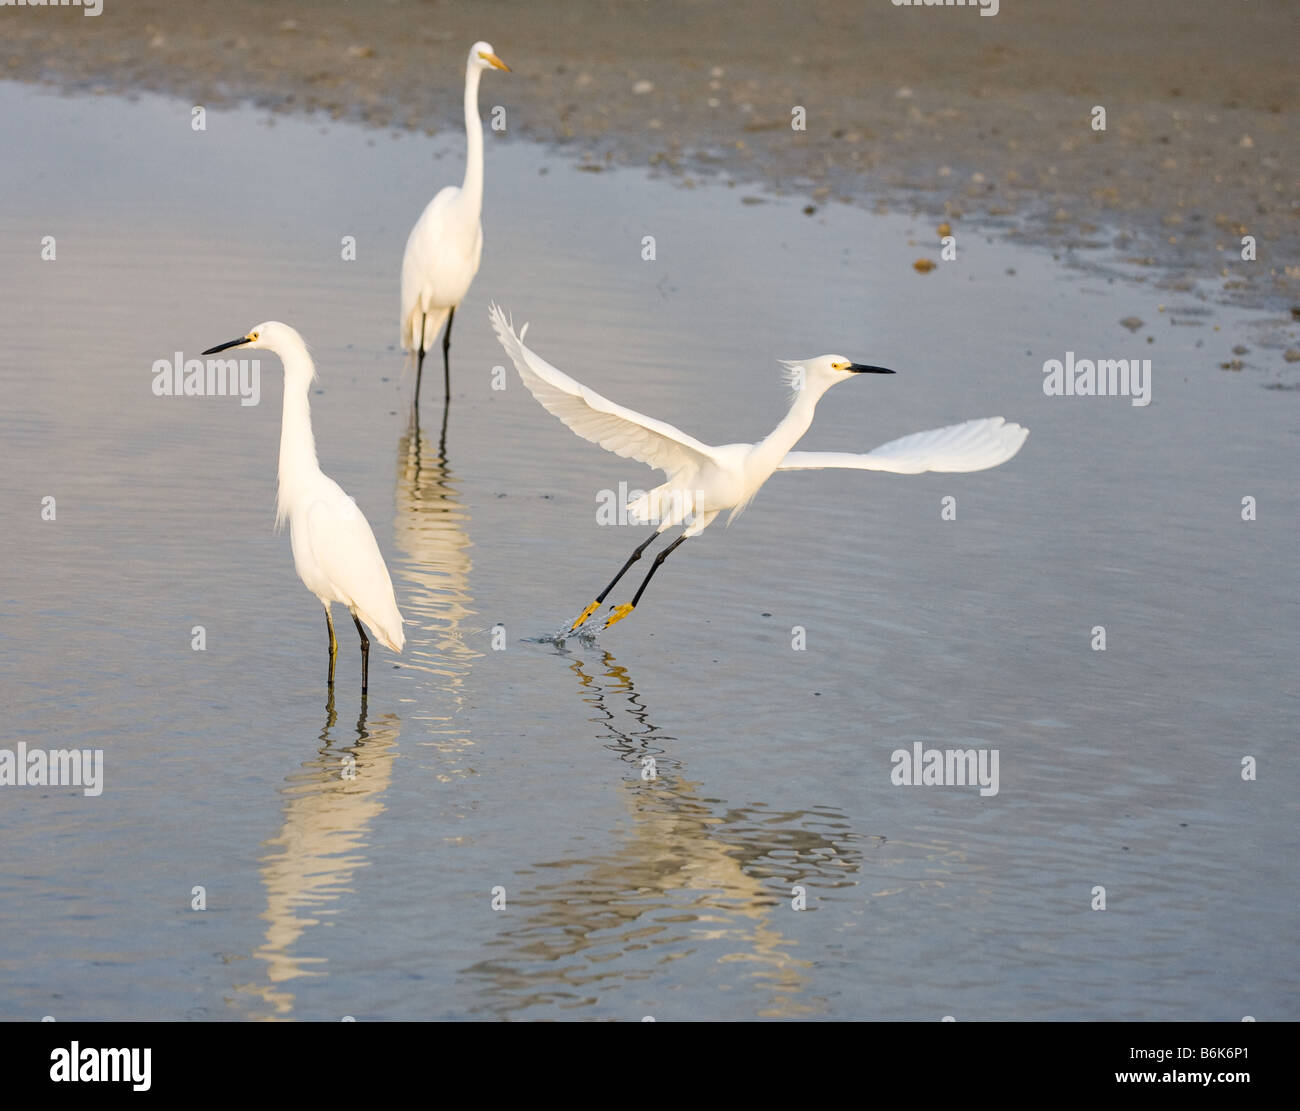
(767,454)
(297,444)
(471,191)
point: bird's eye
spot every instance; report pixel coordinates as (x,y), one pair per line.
(252,336)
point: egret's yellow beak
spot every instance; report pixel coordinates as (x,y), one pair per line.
(493,60)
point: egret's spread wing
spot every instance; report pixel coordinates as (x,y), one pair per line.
(974,445)
(615,428)
(344,548)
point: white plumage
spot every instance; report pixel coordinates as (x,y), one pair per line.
(443,250)
(973,445)
(334,549)
(704,480)
(614,427)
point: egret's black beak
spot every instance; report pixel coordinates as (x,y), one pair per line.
(222,346)
(862,368)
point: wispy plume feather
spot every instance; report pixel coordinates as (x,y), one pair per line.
(794,375)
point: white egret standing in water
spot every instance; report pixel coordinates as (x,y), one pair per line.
(443,250)
(334,550)
(704,480)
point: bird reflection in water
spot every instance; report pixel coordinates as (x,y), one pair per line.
(330,806)
(687,877)
(430,533)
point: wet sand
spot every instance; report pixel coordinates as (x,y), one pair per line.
(937,110)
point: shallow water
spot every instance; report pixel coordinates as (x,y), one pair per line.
(349,855)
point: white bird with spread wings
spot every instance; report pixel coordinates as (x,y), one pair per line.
(703,480)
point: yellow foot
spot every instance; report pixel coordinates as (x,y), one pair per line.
(582,617)
(618,613)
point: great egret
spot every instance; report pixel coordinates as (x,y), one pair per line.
(334,551)
(704,480)
(443,249)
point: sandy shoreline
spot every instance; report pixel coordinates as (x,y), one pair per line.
(937,109)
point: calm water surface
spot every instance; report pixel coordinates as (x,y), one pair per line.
(350,853)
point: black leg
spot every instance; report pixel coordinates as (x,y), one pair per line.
(442,438)
(419,368)
(614,581)
(446,355)
(620,612)
(334,647)
(365,653)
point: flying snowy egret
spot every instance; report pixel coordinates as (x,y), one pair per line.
(334,551)
(704,480)
(443,249)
